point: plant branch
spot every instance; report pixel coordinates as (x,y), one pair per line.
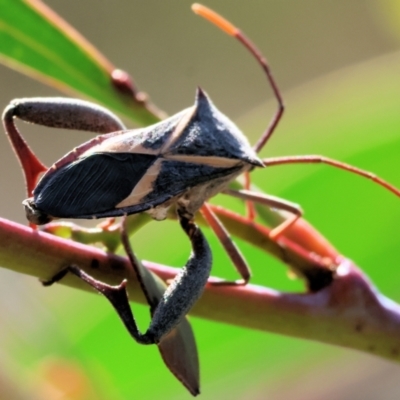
(348,312)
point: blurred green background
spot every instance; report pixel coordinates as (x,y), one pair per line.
(338,65)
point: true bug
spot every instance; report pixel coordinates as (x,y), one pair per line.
(181,161)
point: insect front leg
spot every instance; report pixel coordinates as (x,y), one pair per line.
(54,112)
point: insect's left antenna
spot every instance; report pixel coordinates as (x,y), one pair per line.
(232,30)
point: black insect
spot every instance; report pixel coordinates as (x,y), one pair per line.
(183,160)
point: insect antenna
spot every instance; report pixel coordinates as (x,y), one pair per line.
(232,30)
(316,159)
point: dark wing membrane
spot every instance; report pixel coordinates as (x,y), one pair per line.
(174,178)
(92,185)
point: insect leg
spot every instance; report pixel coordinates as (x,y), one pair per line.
(187,286)
(117,295)
(184,290)
(56,113)
(178,299)
(315,159)
(274,202)
(250,209)
(233,252)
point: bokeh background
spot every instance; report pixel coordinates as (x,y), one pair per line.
(338,66)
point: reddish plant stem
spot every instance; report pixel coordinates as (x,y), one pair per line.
(349,312)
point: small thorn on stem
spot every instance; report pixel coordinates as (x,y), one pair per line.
(123,82)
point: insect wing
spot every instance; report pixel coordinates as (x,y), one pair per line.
(91,185)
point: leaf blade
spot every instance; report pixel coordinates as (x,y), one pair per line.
(37,42)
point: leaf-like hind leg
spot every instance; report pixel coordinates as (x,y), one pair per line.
(177,300)
(187,286)
(183,291)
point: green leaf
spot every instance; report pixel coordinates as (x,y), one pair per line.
(36,41)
